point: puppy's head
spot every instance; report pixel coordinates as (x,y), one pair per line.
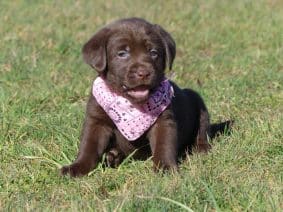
(131,54)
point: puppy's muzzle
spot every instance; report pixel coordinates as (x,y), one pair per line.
(140,74)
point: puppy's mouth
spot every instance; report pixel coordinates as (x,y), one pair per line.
(138,94)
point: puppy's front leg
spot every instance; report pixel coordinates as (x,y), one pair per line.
(163,142)
(95,138)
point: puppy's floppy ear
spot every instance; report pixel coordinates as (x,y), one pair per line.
(169,45)
(94,51)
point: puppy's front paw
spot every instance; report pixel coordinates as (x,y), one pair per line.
(164,167)
(203,148)
(74,170)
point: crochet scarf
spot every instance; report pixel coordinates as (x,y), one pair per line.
(132,120)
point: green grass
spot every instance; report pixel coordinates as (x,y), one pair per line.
(231,52)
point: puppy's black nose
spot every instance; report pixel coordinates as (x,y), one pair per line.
(142,73)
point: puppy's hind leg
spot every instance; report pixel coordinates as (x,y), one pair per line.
(114,157)
(201,143)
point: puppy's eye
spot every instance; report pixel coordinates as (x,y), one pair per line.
(153,53)
(123,54)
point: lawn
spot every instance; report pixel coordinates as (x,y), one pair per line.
(231,52)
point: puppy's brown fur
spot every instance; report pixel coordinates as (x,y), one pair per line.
(133,54)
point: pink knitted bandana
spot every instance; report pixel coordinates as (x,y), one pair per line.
(132,120)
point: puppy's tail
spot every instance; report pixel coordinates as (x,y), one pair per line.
(220,128)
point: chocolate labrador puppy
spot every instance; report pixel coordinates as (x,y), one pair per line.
(133,108)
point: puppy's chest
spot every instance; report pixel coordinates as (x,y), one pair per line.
(127,145)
